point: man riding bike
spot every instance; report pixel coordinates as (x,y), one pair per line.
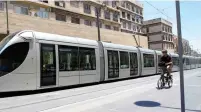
(167,61)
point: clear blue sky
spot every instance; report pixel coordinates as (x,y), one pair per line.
(190,17)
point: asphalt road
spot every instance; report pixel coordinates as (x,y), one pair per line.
(136,95)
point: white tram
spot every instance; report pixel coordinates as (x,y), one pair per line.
(31,60)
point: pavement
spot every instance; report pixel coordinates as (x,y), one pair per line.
(136,95)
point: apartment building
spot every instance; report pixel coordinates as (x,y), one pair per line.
(131,16)
(159,32)
(72,18)
(185,45)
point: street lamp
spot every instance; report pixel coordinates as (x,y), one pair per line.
(98,11)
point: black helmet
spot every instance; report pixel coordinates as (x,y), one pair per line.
(164,51)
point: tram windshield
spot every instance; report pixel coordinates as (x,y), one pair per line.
(13,56)
(6,40)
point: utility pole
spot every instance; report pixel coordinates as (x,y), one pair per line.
(98,11)
(7,17)
(180,56)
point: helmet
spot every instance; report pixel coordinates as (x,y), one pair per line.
(164,51)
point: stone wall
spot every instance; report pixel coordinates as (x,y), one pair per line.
(25,22)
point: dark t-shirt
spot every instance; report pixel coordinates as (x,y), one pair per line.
(166,59)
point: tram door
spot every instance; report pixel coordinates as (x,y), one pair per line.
(113,64)
(47,65)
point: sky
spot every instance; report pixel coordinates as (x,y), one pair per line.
(190,17)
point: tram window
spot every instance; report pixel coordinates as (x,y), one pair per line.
(133,64)
(68,58)
(159,58)
(175,60)
(187,61)
(148,60)
(124,60)
(7,39)
(12,57)
(87,59)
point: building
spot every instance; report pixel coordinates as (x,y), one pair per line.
(131,16)
(72,18)
(185,45)
(159,32)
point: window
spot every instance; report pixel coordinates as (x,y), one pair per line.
(60,3)
(45,1)
(12,57)
(100,25)
(74,3)
(123,4)
(175,60)
(137,19)
(137,28)
(107,14)
(133,18)
(148,60)
(42,13)
(87,22)
(21,10)
(133,8)
(7,39)
(106,2)
(128,16)
(116,28)
(107,26)
(87,59)
(159,58)
(60,17)
(163,37)
(75,20)
(137,11)
(68,58)
(129,26)
(124,60)
(99,10)
(128,6)
(87,8)
(123,15)
(115,16)
(140,12)
(133,64)
(124,25)
(147,29)
(114,3)
(113,64)
(134,28)
(1,5)
(47,65)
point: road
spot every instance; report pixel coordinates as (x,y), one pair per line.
(136,95)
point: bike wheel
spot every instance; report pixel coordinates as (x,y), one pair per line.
(170,82)
(160,83)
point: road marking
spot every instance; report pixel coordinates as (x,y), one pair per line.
(97,102)
(188,85)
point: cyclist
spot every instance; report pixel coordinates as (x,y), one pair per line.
(167,61)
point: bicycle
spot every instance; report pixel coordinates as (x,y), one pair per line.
(163,80)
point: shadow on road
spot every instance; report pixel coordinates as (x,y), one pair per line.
(147,103)
(157,104)
(180,109)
